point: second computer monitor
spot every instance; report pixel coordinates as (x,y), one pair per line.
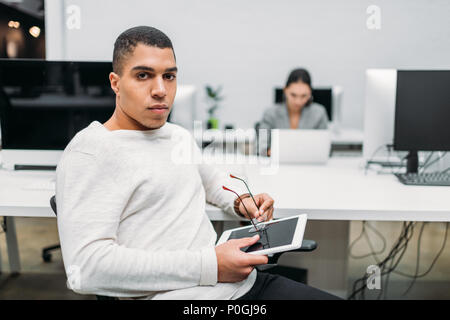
(422,111)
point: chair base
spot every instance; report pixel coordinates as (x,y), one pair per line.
(46,252)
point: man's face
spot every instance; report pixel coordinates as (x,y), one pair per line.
(146,88)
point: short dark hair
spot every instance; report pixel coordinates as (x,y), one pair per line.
(129,39)
(297,75)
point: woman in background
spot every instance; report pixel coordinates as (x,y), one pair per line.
(299,111)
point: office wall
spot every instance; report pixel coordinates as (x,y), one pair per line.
(250,46)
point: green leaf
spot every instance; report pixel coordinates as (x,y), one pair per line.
(209,91)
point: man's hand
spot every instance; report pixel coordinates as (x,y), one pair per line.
(234,265)
(265,204)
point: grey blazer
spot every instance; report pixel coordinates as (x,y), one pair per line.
(313,116)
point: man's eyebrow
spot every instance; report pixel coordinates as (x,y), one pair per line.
(173,69)
(145,68)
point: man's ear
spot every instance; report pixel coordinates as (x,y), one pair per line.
(114,79)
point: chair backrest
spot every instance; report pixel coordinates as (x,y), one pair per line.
(53,204)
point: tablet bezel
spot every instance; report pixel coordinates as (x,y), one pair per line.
(296,239)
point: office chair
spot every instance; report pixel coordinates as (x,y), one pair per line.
(53,206)
(46,255)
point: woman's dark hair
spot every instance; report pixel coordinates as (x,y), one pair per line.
(297,75)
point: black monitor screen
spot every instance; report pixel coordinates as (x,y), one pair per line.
(321,96)
(422,111)
(43,104)
(276,234)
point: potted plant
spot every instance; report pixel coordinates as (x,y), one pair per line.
(214,98)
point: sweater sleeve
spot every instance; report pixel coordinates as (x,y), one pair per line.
(90,203)
(213,179)
(322,123)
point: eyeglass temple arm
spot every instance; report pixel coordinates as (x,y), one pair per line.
(248,214)
(251,195)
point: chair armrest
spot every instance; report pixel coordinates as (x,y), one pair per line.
(307,246)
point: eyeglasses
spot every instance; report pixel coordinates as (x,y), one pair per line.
(256,224)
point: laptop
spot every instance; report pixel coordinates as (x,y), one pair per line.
(301,146)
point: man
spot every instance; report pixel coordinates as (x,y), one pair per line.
(131,218)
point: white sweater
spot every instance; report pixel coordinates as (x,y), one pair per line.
(131,216)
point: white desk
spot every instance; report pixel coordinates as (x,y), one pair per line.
(341,191)
(336,191)
(347,136)
(16,200)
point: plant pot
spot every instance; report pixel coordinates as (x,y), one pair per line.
(213,123)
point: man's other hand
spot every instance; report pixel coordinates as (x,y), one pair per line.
(265,204)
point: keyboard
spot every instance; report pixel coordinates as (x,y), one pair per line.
(424,179)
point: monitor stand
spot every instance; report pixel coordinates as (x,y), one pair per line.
(412,165)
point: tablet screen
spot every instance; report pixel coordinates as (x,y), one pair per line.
(276,234)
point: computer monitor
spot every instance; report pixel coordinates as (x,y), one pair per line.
(422,113)
(330,98)
(379,109)
(183,110)
(43,104)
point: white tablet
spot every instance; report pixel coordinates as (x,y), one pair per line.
(278,235)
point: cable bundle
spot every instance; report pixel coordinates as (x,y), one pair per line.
(392,260)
